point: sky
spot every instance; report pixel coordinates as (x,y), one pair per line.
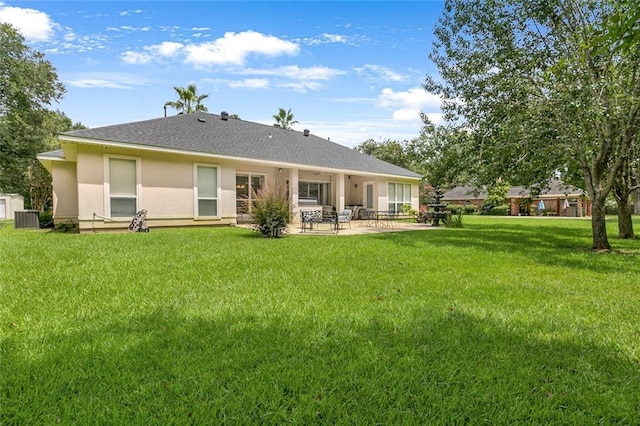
(349,71)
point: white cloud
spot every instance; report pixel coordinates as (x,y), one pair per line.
(300,80)
(128,28)
(250,83)
(328,38)
(301,86)
(33,24)
(407,105)
(352,133)
(72,43)
(233,48)
(379,72)
(406,114)
(136,57)
(414,98)
(101,80)
(166,49)
(413,115)
(435,117)
(70,35)
(295,72)
(335,38)
(97,83)
(130,12)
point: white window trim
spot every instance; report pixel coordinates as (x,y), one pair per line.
(195,190)
(389,201)
(250,175)
(107,184)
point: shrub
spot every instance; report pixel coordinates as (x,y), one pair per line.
(470,209)
(454,208)
(407,209)
(423,217)
(46,220)
(66,226)
(454,220)
(270,211)
(501,210)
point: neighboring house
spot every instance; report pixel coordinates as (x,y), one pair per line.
(200,168)
(557,200)
(9,204)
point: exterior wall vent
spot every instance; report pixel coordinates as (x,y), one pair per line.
(224,115)
(306,132)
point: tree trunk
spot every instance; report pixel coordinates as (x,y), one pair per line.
(625,223)
(599,226)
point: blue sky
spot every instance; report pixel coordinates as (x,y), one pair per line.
(349,71)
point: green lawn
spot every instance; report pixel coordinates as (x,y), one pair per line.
(503,321)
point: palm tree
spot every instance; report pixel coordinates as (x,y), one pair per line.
(188,100)
(284,119)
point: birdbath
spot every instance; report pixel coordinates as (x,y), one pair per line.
(438,212)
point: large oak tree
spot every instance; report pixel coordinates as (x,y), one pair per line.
(28,85)
(541,89)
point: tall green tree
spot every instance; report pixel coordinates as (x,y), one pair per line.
(440,154)
(391,151)
(541,90)
(28,85)
(38,178)
(284,119)
(188,101)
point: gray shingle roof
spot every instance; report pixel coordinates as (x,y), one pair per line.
(52,154)
(556,189)
(464,193)
(208,133)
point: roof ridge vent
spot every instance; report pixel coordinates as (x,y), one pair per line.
(305,132)
(224,115)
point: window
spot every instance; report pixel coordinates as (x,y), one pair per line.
(398,194)
(122,187)
(246,186)
(314,193)
(206,190)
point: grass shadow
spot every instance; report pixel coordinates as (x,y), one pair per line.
(447,367)
(551,244)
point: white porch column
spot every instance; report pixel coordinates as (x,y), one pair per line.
(340,191)
(293,193)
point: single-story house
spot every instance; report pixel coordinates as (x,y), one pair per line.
(557,200)
(9,204)
(201,168)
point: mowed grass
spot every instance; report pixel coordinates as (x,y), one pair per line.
(505,321)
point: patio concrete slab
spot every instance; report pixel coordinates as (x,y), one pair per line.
(359,227)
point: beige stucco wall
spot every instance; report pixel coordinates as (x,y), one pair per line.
(166,187)
(90,185)
(65,191)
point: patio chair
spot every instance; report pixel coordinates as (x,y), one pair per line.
(345,217)
(367,216)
